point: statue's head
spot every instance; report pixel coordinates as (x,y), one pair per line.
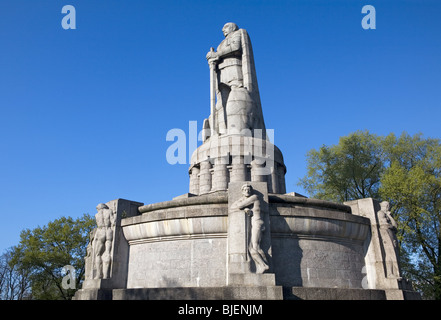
(247,189)
(384,206)
(229,27)
(101,206)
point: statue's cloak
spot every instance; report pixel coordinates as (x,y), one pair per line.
(250,78)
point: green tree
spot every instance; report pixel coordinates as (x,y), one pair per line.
(44,251)
(406,171)
(14,282)
(412,184)
(346,171)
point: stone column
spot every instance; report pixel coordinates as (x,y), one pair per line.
(220,175)
(281,177)
(274,179)
(205,177)
(257,171)
(239,169)
(194,180)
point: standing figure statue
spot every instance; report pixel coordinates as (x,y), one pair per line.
(234,85)
(388,231)
(250,204)
(88,259)
(102,242)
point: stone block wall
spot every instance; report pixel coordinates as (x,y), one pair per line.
(316,243)
(317,263)
(184,263)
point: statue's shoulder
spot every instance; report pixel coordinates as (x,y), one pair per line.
(242,36)
(235,35)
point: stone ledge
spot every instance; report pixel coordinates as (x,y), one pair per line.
(93,294)
(211,198)
(200,210)
(98,284)
(322,228)
(201,293)
(201,227)
(291,210)
(252,279)
(237,293)
(284,198)
(305,293)
(398,294)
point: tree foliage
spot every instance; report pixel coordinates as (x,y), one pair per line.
(14,282)
(346,171)
(404,170)
(44,251)
(412,184)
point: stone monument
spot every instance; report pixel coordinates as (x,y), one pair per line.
(237,234)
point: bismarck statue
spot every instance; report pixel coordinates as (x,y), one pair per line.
(235,99)
(237,145)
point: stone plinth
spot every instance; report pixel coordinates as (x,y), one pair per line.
(183,243)
(179,249)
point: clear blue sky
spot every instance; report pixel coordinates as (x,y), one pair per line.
(85,112)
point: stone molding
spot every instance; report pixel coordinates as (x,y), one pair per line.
(176,229)
(212,198)
(310,203)
(206,216)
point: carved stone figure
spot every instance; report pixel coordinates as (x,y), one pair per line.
(234,84)
(102,242)
(388,230)
(88,259)
(250,204)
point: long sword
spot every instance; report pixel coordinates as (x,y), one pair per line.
(212,95)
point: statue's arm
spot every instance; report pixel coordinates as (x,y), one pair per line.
(247,202)
(392,221)
(237,205)
(234,46)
